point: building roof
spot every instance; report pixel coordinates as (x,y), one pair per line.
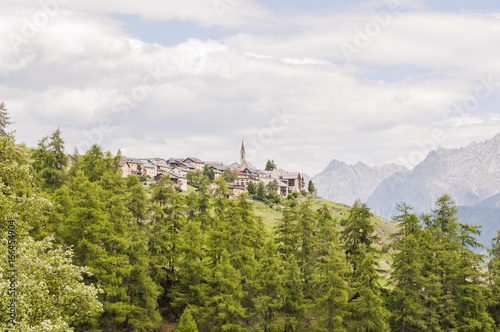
(194,160)
(291,175)
(217,166)
(132,160)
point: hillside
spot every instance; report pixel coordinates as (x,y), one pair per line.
(384,228)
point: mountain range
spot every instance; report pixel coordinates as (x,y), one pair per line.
(470,175)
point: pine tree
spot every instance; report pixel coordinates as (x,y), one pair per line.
(137,199)
(94,218)
(471,290)
(187,323)
(294,304)
(4,119)
(408,306)
(50,161)
(368,313)
(285,234)
(494,280)
(192,288)
(268,294)
(270,165)
(358,235)
(49,289)
(261,191)
(331,290)
(224,311)
(251,188)
(455,285)
(307,242)
(310,187)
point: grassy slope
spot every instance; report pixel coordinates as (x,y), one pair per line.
(383,227)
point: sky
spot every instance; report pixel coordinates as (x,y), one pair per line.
(301,82)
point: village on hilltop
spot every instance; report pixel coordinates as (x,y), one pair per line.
(178,169)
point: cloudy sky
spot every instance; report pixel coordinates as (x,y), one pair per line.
(303,82)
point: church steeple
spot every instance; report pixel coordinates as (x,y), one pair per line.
(242,153)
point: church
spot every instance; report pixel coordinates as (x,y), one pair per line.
(288,182)
(244,166)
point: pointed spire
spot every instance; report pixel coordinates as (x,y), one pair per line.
(242,153)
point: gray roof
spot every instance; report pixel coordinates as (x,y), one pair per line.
(196,160)
(132,160)
(293,175)
(218,166)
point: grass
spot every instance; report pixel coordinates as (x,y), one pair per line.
(383,227)
(269,216)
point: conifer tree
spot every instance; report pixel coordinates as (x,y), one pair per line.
(358,235)
(285,234)
(50,161)
(408,306)
(307,242)
(310,187)
(224,311)
(136,198)
(268,293)
(471,289)
(270,165)
(192,288)
(331,290)
(49,290)
(187,323)
(494,280)
(261,191)
(294,304)
(4,119)
(368,313)
(251,188)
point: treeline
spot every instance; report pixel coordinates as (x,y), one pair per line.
(202,262)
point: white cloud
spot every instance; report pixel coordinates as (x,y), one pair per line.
(82,72)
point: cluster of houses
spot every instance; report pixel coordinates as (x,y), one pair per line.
(178,169)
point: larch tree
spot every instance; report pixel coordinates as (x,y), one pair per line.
(4,119)
(408,306)
(368,313)
(49,293)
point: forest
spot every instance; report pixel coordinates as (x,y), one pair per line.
(99,252)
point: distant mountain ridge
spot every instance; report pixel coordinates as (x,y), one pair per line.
(345,183)
(469,175)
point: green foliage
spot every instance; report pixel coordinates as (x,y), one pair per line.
(209,263)
(195,178)
(229,176)
(270,165)
(4,119)
(367,308)
(251,188)
(408,306)
(50,294)
(261,191)
(272,187)
(187,323)
(494,270)
(50,161)
(358,235)
(311,188)
(209,172)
